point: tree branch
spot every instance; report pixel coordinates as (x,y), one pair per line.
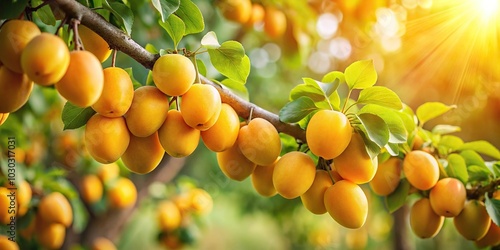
(118,40)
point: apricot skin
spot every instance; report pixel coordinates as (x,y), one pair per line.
(274,22)
(262,180)
(169,216)
(347,204)
(473,222)
(492,237)
(94,43)
(313,198)
(259,141)
(122,193)
(424,222)
(91,189)
(293,174)
(236,10)
(234,164)
(16,89)
(106,139)
(174,74)
(143,154)
(448,197)
(55,208)
(176,137)
(200,106)
(117,93)
(354,163)
(421,169)
(147,112)
(50,236)
(328,133)
(14,36)
(7,244)
(224,133)
(387,177)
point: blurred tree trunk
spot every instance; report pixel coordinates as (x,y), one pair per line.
(400,229)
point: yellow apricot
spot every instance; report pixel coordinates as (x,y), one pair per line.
(94,43)
(143,154)
(234,164)
(7,205)
(313,199)
(387,177)
(236,10)
(24,194)
(200,106)
(328,133)
(14,36)
(224,132)
(262,179)
(45,59)
(421,169)
(293,174)
(201,201)
(354,163)
(50,235)
(122,193)
(347,204)
(106,138)
(101,243)
(356,239)
(176,137)
(424,222)
(448,197)
(473,222)
(259,141)
(55,208)
(274,22)
(6,244)
(91,189)
(169,216)
(3,117)
(108,172)
(147,112)
(117,93)
(492,237)
(173,74)
(83,82)
(257,14)
(16,89)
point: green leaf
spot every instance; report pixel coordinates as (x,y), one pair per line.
(431,110)
(311,91)
(472,158)
(397,130)
(151,48)
(210,41)
(333,76)
(392,148)
(323,94)
(12,8)
(130,72)
(192,17)
(478,173)
(236,87)
(380,96)
(230,60)
(166,7)
(45,13)
(451,142)
(442,129)
(371,147)
(397,199)
(123,14)
(376,128)
(493,208)
(175,28)
(482,147)
(457,168)
(296,110)
(202,69)
(361,75)
(74,117)
(80,215)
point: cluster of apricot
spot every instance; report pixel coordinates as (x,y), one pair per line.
(14,202)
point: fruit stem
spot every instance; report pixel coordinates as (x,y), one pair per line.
(76,36)
(346,100)
(113,59)
(250,115)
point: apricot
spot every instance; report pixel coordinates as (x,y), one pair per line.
(421,169)
(347,204)
(262,179)
(24,195)
(473,222)
(259,141)
(492,237)
(328,133)
(117,93)
(200,106)
(108,172)
(91,189)
(16,89)
(101,243)
(173,74)
(50,235)
(106,138)
(7,244)
(236,10)
(293,174)
(94,43)
(424,222)
(176,137)
(45,59)
(448,197)
(147,112)
(354,163)
(224,132)
(14,36)
(234,164)
(7,209)
(83,82)
(313,198)
(122,193)
(143,154)
(257,14)
(55,208)
(357,239)
(274,22)
(3,117)
(387,177)
(169,216)
(201,201)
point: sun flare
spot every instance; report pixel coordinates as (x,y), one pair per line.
(488,8)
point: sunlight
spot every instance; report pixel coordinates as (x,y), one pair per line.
(488,8)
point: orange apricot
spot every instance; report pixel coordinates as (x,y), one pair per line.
(274,22)
(473,222)
(94,43)
(262,180)
(176,137)
(328,133)
(236,10)
(14,36)
(354,163)
(147,112)
(7,207)
(224,132)
(259,141)
(3,118)
(169,216)
(424,222)
(7,244)
(122,193)
(234,164)
(421,169)
(387,177)
(257,14)
(491,238)
(173,74)
(347,204)
(200,106)
(108,172)
(201,201)
(313,198)
(106,138)
(101,243)
(50,235)
(91,189)
(16,89)
(293,174)
(143,154)
(117,93)
(448,197)
(55,208)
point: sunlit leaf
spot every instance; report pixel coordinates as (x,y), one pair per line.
(442,129)
(230,60)
(210,41)
(371,147)
(493,208)
(392,149)
(166,7)
(333,76)
(380,95)
(457,168)
(482,147)
(175,28)
(451,142)
(376,128)
(74,117)
(361,75)
(45,13)
(80,215)
(236,87)
(397,199)
(431,110)
(151,48)
(397,130)
(191,16)
(296,110)
(202,69)
(123,14)
(478,173)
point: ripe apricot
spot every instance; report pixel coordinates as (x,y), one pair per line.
(448,197)
(262,179)
(14,36)
(354,163)
(3,117)
(169,216)
(143,154)
(122,193)
(328,133)
(55,208)
(236,10)
(173,74)
(45,59)
(293,174)
(356,239)
(91,189)
(274,22)
(347,204)
(492,237)
(224,132)
(108,172)
(24,194)
(259,141)
(473,222)
(257,14)
(201,201)
(147,112)
(117,93)
(421,169)
(7,244)
(94,43)
(50,235)
(106,138)
(101,243)
(234,164)
(7,208)
(83,82)
(313,199)
(424,222)
(200,106)
(176,137)
(16,89)
(387,177)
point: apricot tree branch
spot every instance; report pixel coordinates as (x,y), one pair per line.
(118,40)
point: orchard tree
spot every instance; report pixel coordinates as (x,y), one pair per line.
(338,141)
